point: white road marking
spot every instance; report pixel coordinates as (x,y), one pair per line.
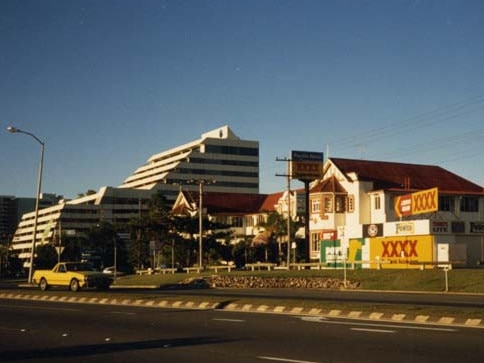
(230,320)
(374,330)
(393,326)
(280,359)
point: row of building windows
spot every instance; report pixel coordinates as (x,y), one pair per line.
(245,174)
(254,164)
(446,203)
(231,221)
(228,184)
(252,221)
(231,150)
(342,203)
(336,203)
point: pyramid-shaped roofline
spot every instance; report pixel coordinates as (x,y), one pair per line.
(228,203)
(330,185)
(223,132)
(400,176)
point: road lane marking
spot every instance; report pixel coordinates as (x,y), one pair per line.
(374,330)
(280,359)
(393,326)
(230,320)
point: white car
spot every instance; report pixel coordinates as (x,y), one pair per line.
(110,271)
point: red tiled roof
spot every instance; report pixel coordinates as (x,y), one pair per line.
(330,185)
(401,176)
(229,203)
(270,201)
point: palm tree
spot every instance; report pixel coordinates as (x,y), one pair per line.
(274,228)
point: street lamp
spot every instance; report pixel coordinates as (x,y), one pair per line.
(14,130)
(200,183)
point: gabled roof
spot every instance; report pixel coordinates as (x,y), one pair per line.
(401,176)
(227,203)
(270,201)
(330,185)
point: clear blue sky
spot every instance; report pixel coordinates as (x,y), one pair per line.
(109,83)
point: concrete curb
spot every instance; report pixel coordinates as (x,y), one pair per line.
(255,308)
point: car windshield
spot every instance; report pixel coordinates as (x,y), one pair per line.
(79,267)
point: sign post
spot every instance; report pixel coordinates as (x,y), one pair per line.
(306,166)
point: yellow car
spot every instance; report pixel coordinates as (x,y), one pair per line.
(74,275)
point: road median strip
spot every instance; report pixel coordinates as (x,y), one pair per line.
(255,308)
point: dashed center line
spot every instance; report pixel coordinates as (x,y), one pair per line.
(280,359)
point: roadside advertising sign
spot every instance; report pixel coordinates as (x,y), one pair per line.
(307,165)
(401,252)
(425,201)
(372,230)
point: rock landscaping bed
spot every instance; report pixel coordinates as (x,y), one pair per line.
(246,282)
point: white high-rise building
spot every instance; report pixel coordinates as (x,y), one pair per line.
(219,158)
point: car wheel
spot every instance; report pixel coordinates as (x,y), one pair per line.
(74,285)
(43,284)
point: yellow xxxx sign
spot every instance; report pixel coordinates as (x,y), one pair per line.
(425,201)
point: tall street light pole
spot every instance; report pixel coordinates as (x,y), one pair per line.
(39,186)
(200,225)
(200,183)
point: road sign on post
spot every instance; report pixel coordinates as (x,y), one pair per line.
(306,165)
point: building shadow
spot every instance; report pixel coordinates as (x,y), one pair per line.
(106,348)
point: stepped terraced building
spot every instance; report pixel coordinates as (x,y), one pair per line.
(219,159)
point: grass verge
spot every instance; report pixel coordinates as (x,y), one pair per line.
(459,280)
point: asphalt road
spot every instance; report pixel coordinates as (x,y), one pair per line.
(35,331)
(356,296)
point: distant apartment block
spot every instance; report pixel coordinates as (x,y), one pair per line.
(12,209)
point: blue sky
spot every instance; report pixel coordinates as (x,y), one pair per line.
(109,83)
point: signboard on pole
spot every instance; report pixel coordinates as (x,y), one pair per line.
(425,201)
(307,165)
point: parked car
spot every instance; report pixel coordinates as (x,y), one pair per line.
(110,271)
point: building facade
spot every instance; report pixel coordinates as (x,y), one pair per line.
(354,219)
(219,157)
(76,217)
(353,216)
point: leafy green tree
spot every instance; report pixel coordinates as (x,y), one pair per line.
(103,240)
(241,253)
(270,240)
(46,257)
(72,248)
(174,237)
(153,228)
